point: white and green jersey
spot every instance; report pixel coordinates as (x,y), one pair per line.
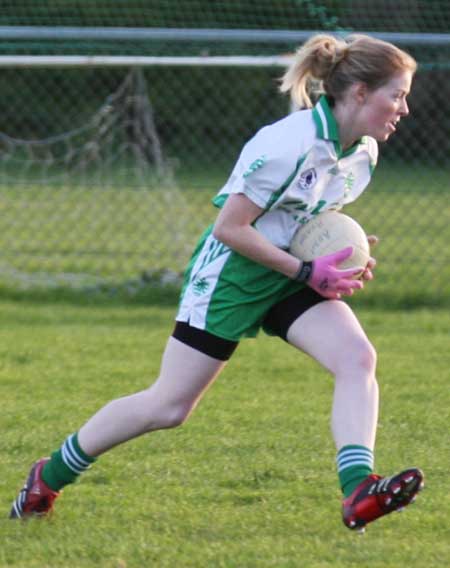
(292,169)
(296,168)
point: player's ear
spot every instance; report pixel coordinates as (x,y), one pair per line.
(360,92)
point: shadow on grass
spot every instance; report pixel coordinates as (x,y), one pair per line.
(149,295)
(168,295)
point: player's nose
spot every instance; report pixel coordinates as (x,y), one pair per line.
(404,109)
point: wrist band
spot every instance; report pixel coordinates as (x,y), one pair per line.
(304,274)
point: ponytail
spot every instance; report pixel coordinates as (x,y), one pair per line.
(312,65)
(325,64)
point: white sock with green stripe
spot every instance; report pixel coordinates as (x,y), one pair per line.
(354,464)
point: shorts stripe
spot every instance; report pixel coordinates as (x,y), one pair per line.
(203,279)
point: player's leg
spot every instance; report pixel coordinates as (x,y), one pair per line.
(331,334)
(185,374)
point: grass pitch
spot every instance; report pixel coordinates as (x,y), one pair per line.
(249,481)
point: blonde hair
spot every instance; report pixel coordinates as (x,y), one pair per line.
(325,64)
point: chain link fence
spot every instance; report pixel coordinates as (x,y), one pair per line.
(106,173)
(430,16)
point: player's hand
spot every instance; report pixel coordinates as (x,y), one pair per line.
(331,282)
(368,271)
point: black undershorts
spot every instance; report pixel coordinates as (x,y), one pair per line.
(277,321)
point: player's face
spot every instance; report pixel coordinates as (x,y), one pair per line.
(385,106)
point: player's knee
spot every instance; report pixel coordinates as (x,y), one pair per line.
(366,357)
(359,356)
(175,415)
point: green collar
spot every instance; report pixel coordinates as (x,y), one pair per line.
(326,124)
(327,127)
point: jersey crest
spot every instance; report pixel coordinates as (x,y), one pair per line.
(307,179)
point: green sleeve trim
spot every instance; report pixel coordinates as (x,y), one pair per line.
(219,200)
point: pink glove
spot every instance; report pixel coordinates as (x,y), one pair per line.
(322,275)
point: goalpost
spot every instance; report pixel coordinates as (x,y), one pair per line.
(66,61)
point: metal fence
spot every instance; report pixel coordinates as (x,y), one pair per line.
(107,172)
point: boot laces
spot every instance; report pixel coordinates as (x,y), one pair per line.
(380,486)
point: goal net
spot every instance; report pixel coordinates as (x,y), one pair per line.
(94,202)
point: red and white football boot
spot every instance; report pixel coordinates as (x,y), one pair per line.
(35,498)
(377,496)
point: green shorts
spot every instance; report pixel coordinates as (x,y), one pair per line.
(228,294)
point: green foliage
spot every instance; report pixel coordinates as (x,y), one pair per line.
(173,13)
(264,14)
(249,481)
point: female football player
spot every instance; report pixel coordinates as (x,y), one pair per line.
(242,278)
